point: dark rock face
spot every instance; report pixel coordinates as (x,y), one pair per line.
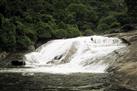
(125,41)
(17,63)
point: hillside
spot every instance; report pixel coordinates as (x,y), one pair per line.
(24,24)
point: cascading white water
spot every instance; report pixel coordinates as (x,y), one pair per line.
(81,54)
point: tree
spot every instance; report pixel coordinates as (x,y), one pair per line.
(23,42)
(44,31)
(26,22)
(103,27)
(1,19)
(132,8)
(8,35)
(60,33)
(88,32)
(72,31)
(81,15)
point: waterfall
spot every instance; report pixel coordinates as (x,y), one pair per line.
(91,54)
(80,54)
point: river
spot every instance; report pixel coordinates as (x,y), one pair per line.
(53,82)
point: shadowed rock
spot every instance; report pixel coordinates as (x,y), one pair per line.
(17,63)
(125,41)
(58,57)
(91,39)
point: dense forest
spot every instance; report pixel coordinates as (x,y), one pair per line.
(24,23)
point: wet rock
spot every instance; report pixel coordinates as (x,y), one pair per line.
(3,55)
(58,57)
(133,38)
(91,39)
(125,41)
(17,63)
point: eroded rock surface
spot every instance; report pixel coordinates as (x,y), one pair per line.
(124,70)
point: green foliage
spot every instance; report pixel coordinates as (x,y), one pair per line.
(103,27)
(26,22)
(81,15)
(72,31)
(115,25)
(44,30)
(1,19)
(88,32)
(132,8)
(60,33)
(107,24)
(23,42)
(122,18)
(8,35)
(107,20)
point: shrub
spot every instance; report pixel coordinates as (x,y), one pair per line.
(8,35)
(60,33)
(72,31)
(107,20)
(107,24)
(88,32)
(103,27)
(115,25)
(44,30)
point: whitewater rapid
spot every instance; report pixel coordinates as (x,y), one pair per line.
(80,54)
